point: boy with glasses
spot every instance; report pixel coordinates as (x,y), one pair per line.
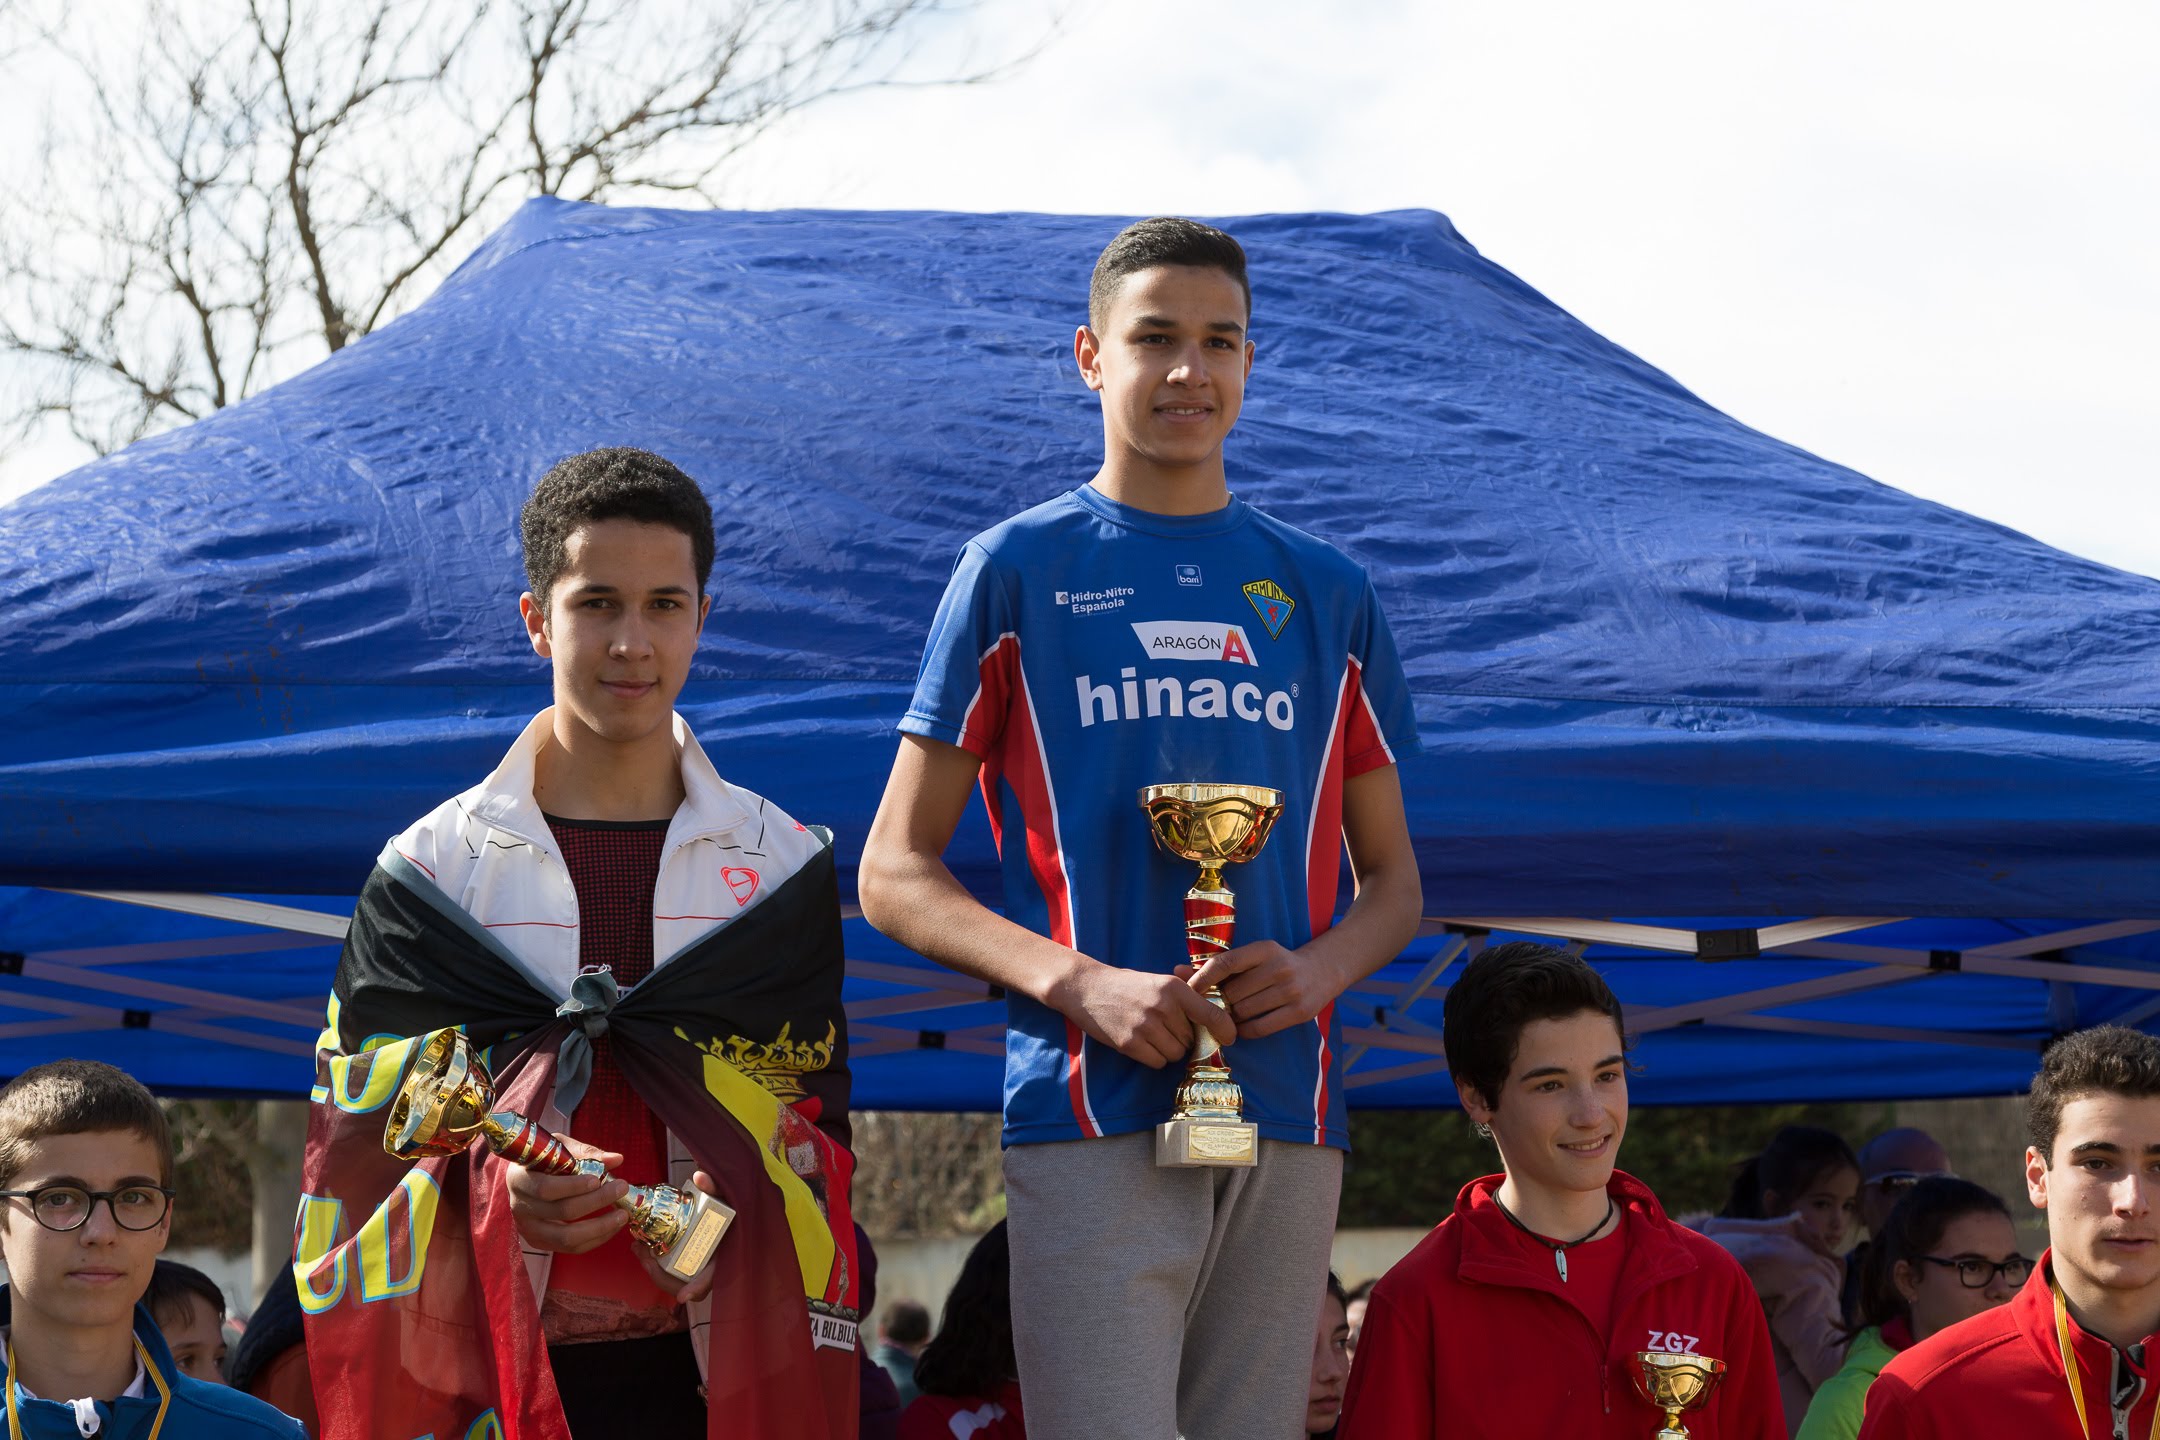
(85,1206)
(2072,1352)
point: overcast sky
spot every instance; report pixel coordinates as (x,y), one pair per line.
(1914,238)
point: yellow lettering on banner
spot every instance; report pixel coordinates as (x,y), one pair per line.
(322,1257)
(328,1041)
(314,1236)
(326,1045)
(419,1199)
(380,1069)
(487,1427)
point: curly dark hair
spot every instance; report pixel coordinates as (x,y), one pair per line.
(972,1353)
(1503,990)
(620,483)
(2105,1060)
(1164,240)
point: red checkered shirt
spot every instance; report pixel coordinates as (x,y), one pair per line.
(605,1294)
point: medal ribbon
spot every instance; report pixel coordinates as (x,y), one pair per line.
(14,1420)
(2074,1371)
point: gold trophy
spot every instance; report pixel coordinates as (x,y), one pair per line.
(1216,825)
(443,1105)
(1676,1382)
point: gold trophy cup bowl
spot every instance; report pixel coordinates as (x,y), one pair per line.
(446,1102)
(1676,1382)
(1212,825)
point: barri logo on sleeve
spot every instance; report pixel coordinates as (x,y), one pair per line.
(1188,575)
(1271,603)
(1194,640)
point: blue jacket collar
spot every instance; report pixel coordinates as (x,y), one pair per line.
(128,1417)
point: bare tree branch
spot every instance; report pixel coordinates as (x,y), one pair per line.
(926,1174)
(233,189)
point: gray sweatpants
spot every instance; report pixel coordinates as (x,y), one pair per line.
(1151,1302)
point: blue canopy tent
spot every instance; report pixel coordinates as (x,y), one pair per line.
(1894,766)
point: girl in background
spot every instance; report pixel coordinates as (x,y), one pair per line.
(1786,1222)
(969,1380)
(1947,1253)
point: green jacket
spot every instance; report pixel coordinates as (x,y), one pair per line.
(1841,1401)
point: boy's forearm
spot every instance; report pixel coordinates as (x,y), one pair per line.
(1381,920)
(1390,899)
(914,899)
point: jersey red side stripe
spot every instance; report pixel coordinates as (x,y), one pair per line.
(1000,665)
(1028,773)
(1323,865)
(1364,747)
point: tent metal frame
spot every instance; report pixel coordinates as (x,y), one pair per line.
(1386,1041)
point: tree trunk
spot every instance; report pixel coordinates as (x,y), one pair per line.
(274,1166)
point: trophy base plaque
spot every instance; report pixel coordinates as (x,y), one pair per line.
(681,1227)
(1186,1144)
(709,1220)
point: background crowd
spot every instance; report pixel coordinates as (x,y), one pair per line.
(1856,1254)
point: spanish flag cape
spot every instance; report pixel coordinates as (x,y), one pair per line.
(420,1314)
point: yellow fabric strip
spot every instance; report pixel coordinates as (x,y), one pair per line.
(14,1420)
(759,1113)
(2073,1371)
(164,1391)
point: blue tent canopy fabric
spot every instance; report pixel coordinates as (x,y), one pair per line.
(1663,665)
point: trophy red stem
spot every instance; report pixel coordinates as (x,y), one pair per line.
(533,1147)
(1210,919)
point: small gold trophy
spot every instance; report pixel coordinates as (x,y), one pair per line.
(444,1105)
(1675,1382)
(1216,825)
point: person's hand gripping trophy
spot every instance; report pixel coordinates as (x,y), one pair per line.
(1215,825)
(445,1103)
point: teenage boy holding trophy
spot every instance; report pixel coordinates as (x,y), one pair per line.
(1149,631)
(1557,1299)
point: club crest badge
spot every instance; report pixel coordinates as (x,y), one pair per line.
(1271,604)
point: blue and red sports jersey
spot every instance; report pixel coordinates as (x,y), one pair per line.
(1085,649)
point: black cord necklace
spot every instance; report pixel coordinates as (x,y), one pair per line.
(1559,1247)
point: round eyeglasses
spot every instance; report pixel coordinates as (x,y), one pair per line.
(1975,1273)
(68,1207)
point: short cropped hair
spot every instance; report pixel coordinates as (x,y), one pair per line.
(1164,240)
(907,1322)
(172,1285)
(2105,1060)
(613,484)
(74,1097)
(1503,990)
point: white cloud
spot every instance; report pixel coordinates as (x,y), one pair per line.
(1911,238)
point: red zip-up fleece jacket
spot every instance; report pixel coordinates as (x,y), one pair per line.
(1470,1336)
(2001,1373)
